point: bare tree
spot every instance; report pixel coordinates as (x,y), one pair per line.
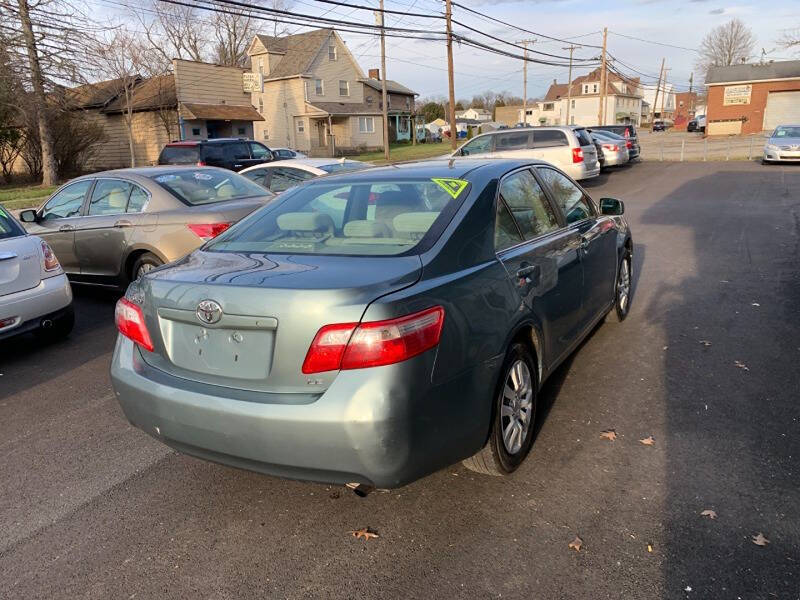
(790,39)
(174,31)
(727,44)
(233,31)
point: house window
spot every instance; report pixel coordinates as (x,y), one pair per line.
(548,106)
(366,125)
(261,105)
(403,126)
(408,103)
(344,87)
(266,133)
(529,111)
(195,131)
(301,126)
(332,51)
(319,88)
(261,66)
(369,99)
(573,104)
(594,88)
(240,130)
(572,120)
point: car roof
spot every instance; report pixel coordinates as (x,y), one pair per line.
(148,172)
(449,168)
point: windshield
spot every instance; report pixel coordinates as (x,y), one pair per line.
(206,186)
(349,165)
(358,218)
(8,226)
(179,155)
(787,132)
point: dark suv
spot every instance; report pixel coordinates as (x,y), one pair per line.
(229,153)
(629,133)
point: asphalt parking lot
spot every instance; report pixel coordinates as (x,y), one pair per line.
(706,364)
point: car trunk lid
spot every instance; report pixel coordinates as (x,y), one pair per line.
(20,264)
(246,321)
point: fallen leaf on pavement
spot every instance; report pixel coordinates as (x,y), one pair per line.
(708,513)
(741,365)
(705,343)
(363,533)
(649,547)
(760,540)
(755,304)
(576,544)
(648,441)
(609,434)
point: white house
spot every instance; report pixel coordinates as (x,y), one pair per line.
(666,100)
(474,114)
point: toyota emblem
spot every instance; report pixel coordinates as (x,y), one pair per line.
(209,312)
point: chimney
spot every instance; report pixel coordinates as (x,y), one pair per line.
(375,74)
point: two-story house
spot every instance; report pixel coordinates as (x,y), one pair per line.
(315,98)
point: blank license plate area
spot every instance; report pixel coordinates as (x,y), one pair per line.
(236,353)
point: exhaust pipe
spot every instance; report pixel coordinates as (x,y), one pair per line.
(47,323)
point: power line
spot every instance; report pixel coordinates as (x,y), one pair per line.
(630,37)
(385,10)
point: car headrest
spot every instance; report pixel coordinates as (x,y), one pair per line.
(414,224)
(314,224)
(367,229)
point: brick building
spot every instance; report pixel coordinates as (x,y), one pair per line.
(685,109)
(752,98)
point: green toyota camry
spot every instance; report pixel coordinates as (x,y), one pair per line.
(372,327)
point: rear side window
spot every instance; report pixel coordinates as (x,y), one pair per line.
(137,200)
(109,197)
(206,186)
(517,140)
(8,226)
(568,196)
(257,175)
(548,138)
(583,137)
(357,217)
(179,155)
(236,151)
(529,206)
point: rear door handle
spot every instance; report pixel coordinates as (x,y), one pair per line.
(123,223)
(66,228)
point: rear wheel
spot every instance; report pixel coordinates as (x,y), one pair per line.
(622,293)
(514,412)
(145,263)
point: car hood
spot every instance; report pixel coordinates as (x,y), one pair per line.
(784,141)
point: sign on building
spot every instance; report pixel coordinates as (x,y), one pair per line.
(737,94)
(251,82)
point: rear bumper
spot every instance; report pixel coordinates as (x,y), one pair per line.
(583,170)
(47,300)
(614,159)
(385,426)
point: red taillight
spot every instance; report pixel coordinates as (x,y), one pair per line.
(130,322)
(627,132)
(357,346)
(201,163)
(577,155)
(208,230)
(628,144)
(50,261)
(612,147)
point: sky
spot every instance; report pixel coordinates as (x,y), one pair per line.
(422,65)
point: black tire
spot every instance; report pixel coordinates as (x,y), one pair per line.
(620,310)
(145,262)
(494,458)
(61,327)
(764,161)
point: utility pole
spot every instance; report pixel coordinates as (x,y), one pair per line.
(655,100)
(525,79)
(448,11)
(569,80)
(664,93)
(601,109)
(691,81)
(383,87)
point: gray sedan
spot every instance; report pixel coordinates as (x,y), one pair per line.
(109,228)
(783,145)
(372,327)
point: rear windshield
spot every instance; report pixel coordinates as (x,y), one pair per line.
(349,165)
(8,226)
(179,155)
(357,218)
(623,130)
(206,186)
(583,137)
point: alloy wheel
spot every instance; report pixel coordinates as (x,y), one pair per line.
(143,269)
(516,409)
(624,286)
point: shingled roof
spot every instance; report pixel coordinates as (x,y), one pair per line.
(94,95)
(560,90)
(391,86)
(298,51)
(150,94)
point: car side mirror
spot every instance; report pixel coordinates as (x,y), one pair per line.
(611,206)
(28,216)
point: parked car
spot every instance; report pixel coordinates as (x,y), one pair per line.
(697,124)
(110,227)
(35,295)
(228,153)
(286,154)
(569,148)
(630,144)
(659,126)
(783,145)
(627,131)
(614,147)
(374,326)
(281,175)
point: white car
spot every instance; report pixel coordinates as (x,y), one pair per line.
(278,176)
(286,153)
(571,149)
(35,295)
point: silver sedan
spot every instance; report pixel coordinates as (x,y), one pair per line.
(615,151)
(783,145)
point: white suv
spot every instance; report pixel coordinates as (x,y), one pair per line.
(571,149)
